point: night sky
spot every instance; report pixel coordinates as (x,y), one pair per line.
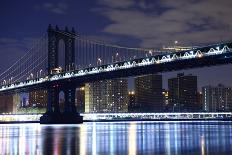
(133,23)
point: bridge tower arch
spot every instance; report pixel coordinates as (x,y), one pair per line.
(55,35)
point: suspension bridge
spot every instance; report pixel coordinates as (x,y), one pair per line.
(64,60)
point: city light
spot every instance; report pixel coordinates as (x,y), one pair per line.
(131,93)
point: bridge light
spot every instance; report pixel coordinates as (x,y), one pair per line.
(99,61)
(40,72)
(200,55)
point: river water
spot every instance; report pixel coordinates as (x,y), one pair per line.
(118,138)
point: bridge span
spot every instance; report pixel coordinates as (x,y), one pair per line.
(205,56)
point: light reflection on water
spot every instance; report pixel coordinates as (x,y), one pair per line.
(117,138)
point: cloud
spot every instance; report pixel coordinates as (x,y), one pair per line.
(193,22)
(120,4)
(57,8)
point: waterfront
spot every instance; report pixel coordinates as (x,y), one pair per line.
(117,138)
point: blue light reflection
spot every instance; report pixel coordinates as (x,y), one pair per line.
(118,138)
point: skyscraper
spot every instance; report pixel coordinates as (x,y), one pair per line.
(80,99)
(106,96)
(148,93)
(183,93)
(217,98)
(165,99)
(132,106)
(6,105)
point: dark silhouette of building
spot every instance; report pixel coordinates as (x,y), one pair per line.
(200,101)
(6,104)
(132,106)
(148,93)
(217,98)
(183,93)
(165,99)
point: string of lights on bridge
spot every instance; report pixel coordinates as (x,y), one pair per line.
(88,53)
(124,116)
(158,59)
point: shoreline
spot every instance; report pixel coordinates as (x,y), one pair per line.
(135,120)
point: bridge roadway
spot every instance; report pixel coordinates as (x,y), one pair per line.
(206,56)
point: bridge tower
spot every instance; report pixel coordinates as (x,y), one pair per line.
(53,114)
(54,36)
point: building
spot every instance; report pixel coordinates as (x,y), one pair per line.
(148,93)
(38,98)
(217,98)
(6,104)
(182,93)
(199,101)
(106,96)
(177,48)
(132,106)
(165,99)
(80,99)
(9,103)
(23,100)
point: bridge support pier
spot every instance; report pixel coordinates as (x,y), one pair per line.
(54,115)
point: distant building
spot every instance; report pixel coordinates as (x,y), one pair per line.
(9,103)
(165,99)
(177,48)
(132,106)
(38,98)
(148,93)
(24,100)
(200,101)
(6,104)
(217,98)
(80,99)
(183,93)
(106,96)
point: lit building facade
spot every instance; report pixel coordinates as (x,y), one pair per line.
(106,96)
(182,93)
(148,93)
(38,98)
(217,98)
